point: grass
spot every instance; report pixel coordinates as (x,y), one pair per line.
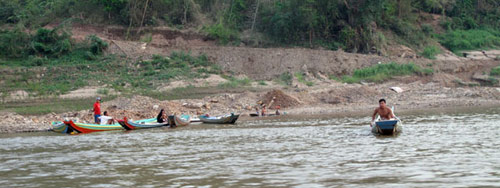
(262,83)
(235,82)
(191,92)
(495,71)
(45,106)
(430,52)
(285,79)
(301,78)
(72,71)
(475,39)
(382,72)
(103,91)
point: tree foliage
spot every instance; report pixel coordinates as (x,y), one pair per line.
(351,24)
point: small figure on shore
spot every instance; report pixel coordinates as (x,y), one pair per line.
(106,119)
(162,116)
(384,111)
(257,110)
(97,110)
(263,110)
(278,110)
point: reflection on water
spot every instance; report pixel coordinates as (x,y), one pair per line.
(433,150)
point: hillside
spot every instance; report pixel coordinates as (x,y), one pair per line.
(184,49)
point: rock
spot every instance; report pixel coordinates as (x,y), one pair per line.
(155,107)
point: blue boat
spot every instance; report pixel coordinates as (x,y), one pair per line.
(387,127)
(226,119)
(140,124)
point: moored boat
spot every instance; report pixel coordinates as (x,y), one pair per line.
(140,124)
(89,128)
(226,119)
(60,127)
(182,120)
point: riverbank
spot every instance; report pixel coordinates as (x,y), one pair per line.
(334,98)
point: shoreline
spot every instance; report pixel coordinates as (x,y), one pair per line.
(337,111)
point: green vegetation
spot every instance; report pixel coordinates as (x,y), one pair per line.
(495,71)
(235,83)
(285,79)
(300,77)
(191,92)
(430,52)
(458,40)
(46,106)
(354,25)
(262,83)
(381,72)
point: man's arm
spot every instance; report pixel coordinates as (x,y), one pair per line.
(391,115)
(374,114)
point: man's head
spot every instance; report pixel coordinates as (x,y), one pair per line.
(98,99)
(381,102)
(105,113)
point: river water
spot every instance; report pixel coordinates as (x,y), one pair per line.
(434,150)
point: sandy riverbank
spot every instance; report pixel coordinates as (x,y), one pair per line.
(335,99)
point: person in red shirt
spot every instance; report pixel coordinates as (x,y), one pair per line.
(97,110)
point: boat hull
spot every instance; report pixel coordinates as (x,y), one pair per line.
(90,128)
(141,124)
(387,127)
(230,119)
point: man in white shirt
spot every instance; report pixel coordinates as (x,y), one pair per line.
(107,120)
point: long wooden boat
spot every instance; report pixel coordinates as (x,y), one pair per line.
(89,128)
(226,119)
(141,124)
(60,127)
(387,127)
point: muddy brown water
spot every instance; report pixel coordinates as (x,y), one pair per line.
(434,150)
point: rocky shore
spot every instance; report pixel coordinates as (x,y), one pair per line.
(328,98)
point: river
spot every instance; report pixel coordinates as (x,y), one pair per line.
(434,150)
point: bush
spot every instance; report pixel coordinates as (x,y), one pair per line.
(223,34)
(381,72)
(470,39)
(427,29)
(51,42)
(14,43)
(430,52)
(97,45)
(495,71)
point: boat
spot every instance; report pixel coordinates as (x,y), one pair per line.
(387,127)
(140,124)
(226,119)
(60,127)
(89,128)
(183,120)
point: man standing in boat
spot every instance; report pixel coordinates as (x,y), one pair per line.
(97,110)
(383,111)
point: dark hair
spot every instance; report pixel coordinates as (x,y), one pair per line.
(382,100)
(105,113)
